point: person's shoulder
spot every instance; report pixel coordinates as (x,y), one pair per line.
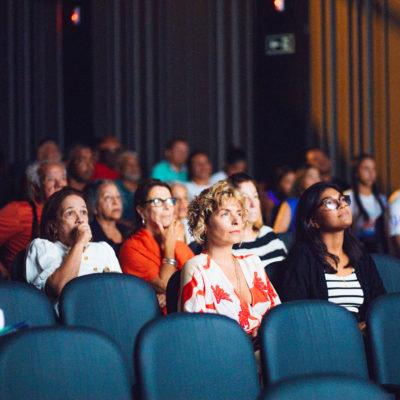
(200,261)
(44,246)
(264,230)
(14,208)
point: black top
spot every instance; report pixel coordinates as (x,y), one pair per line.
(303,278)
(98,235)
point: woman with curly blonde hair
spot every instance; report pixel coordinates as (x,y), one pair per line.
(217,281)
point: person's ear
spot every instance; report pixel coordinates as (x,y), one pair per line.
(53,230)
(314,224)
(140,211)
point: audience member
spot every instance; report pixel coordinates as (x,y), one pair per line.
(19,220)
(257,238)
(394,224)
(64,250)
(80,166)
(48,150)
(319,159)
(217,280)
(180,193)
(154,252)
(107,152)
(326,261)
(235,162)
(367,205)
(128,166)
(305,177)
(200,169)
(282,184)
(105,206)
(173,168)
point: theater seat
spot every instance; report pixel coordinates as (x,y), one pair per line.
(383,332)
(196,357)
(389,270)
(22,302)
(61,363)
(325,387)
(307,337)
(115,304)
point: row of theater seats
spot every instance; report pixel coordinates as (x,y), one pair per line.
(182,355)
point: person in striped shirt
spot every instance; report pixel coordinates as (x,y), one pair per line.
(257,238)
(326,261)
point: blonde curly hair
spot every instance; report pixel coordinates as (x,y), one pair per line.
(208,201)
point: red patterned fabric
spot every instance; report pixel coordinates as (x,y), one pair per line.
(205,288)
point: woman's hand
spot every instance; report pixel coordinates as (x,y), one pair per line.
(162,300)
(83,234)
(169,236)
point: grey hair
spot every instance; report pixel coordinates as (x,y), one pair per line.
(92,191)
(34,171)
(123,155)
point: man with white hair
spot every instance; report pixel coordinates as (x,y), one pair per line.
(19,220)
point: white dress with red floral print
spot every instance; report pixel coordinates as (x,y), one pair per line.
(206,288)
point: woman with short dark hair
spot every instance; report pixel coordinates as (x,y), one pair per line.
(64,249)
(326,261)
(154,252)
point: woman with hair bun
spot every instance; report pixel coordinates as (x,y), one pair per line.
(218,281)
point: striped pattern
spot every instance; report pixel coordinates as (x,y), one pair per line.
(267,246)
(345,291)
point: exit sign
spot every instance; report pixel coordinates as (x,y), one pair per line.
(283,43)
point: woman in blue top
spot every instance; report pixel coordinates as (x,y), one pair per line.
(305,177)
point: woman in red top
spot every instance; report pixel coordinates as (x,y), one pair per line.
(154,252)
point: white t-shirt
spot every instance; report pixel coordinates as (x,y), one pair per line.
(218,176)
(44,257)
(394,217)
(373,209)
(194,189)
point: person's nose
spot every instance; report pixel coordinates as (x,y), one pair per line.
(57,184)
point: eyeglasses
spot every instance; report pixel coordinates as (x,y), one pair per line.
(171,201)
(333,204)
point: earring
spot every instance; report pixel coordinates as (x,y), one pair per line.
(143,221)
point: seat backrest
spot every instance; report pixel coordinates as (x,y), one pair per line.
(18,267)
(172,292)
(195,356)
(62,363)
(389,270)
(115,304)
(287,238)
(310,336)
(332,387)
(22,302)
(383,332)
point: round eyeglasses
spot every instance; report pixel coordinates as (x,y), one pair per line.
(333,204)
(157,202)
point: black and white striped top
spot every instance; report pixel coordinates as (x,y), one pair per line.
(345,291)
(266,245)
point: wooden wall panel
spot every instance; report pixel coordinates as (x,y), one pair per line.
(355,48)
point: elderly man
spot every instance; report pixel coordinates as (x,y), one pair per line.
(80,166)
(19,220)
(173,168)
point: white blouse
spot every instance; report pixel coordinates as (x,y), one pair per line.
(44,257)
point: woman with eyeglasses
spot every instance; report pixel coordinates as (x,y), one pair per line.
(326,260)
(154,252)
